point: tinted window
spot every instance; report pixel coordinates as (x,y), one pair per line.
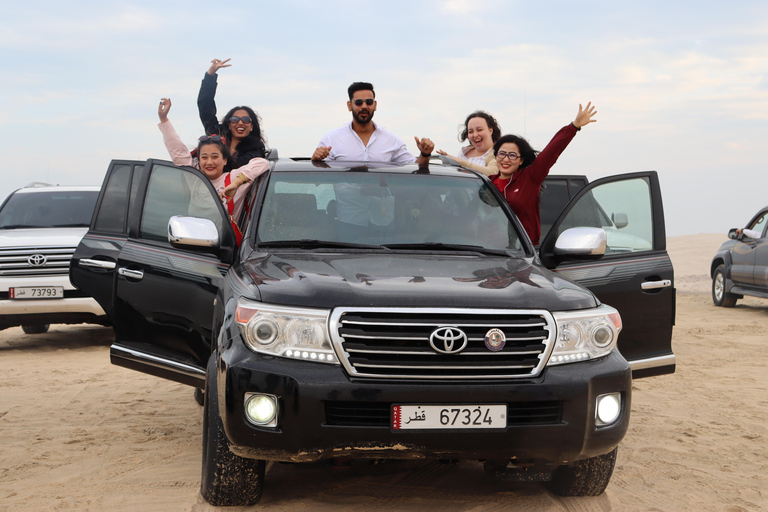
(622,208)
(759,223)
(48,209)
(554,197)
(112,211)
(383,209)
(173,191)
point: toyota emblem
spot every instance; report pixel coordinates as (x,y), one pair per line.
(448,340)
(37,260)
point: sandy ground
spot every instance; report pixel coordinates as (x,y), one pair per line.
(79,434)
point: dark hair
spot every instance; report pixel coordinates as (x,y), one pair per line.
(219,144)
(252,145)
(492,124)
(360,86)
(527,153)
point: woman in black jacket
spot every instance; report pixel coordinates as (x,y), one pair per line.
(241,127)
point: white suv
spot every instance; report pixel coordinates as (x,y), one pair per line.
(40,227)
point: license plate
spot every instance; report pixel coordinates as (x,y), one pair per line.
(36,292)
(447,417)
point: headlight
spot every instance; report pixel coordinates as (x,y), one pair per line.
(296,333)
(585,334)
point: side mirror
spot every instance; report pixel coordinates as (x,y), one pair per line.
(581,243)
(192,231)
(732,234)
(619,219)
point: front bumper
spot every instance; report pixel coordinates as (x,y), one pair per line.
(311,395)
(73,308)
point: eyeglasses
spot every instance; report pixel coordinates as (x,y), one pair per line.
(212,138)
(367,101)
(236,119)
(501,155)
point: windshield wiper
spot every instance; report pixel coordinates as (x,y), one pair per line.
(307,243)
(449,247)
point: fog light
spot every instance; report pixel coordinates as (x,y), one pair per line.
(261,409)
(608,409)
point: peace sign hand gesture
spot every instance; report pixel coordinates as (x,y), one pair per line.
(217,64)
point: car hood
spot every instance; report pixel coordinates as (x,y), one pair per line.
(411,280)
(41,237)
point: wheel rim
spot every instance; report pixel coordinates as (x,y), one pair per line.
(719,286)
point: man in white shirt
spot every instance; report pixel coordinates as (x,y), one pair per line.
(750,233)
(362,140)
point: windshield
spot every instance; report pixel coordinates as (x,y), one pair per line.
(384,209)
(54,209)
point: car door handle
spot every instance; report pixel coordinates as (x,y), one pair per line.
(133,274)
(105,265)
(653,285)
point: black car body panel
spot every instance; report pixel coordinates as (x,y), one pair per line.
(634,278)
(174,306)
(392,279)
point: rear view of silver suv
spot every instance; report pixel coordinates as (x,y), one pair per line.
(40,227)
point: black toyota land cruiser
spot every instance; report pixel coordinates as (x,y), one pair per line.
(384,311)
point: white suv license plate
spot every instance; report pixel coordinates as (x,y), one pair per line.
(36,292)
(449,417)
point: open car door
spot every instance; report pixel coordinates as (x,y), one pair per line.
(160,298)
(635,275)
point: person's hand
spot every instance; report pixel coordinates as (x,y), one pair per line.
(229,190)
(425,145)
(584,117)
(163,108)
(739,231)
(441,152)
(321,153)
(217,64)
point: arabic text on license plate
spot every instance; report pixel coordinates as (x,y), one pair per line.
(36,292)
(459,416)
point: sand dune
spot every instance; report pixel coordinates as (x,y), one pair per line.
(80,434)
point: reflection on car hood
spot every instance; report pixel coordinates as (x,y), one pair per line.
(410,280)
(41,237)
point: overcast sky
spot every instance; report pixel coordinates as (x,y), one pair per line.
(681,87)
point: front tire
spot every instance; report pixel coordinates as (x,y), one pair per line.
(719,296)
(587,477)
(35,329)
(227,479)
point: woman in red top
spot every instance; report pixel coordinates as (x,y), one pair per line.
(522,169)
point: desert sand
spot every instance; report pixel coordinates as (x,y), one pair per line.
(77,433)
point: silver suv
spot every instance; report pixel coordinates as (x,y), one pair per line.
(40,227)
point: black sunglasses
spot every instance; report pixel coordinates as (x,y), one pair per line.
(213,138)
(244,119)
(367,101)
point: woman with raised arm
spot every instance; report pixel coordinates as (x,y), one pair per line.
(212,157)
(241,127)
(522,170)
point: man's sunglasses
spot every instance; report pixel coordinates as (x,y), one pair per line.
(359,103)
(236,119)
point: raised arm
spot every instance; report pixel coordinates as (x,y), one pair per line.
(178,152)
(206,104)
(544,161)
(425,146)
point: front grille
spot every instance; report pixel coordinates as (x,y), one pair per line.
(395,343)
(377,414)
(15,262)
